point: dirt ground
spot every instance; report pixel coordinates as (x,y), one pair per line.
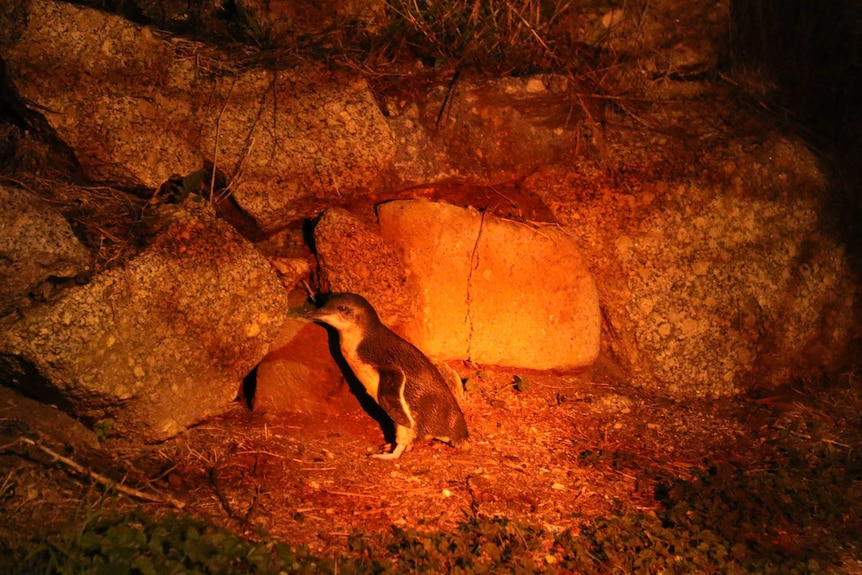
(554,451)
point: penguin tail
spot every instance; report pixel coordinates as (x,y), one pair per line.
(459,443)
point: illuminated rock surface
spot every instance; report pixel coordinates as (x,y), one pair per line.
(495,291)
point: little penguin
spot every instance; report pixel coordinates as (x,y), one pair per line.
(399,377)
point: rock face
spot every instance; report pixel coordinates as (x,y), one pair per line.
(480,288)
(495,291)
(159,344)
(166,107)
(352,257)
(709,289)
(704,236)
(169,106)
(36,244)
(299,373)
(492,131)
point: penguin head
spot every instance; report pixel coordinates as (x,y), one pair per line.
(345,312)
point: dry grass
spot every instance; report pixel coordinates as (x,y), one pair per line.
(110,222)
(487,37)
(507,37)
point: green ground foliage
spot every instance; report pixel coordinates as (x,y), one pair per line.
(795,517)
(780,517)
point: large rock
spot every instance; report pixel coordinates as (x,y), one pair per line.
(137,108)
(36,243)
(352,257)
(480,288)
(160,343)
(490,131)
(711,288)
(299,374)
(495,291)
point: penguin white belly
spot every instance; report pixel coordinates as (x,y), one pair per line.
(367,374)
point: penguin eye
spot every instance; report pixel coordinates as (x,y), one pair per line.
(343,309)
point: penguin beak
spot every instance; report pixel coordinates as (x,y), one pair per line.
(314,314)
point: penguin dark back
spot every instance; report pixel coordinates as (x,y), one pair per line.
(395,373)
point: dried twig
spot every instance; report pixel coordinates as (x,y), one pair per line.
(225,502)
(502,195)
(533,31)
(349,494)
(449,90)
(97,477)
(836,443)
(217,138)
(474,265)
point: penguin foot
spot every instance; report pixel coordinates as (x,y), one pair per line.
(394,454)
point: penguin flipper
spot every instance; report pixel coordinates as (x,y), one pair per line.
(390,396)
